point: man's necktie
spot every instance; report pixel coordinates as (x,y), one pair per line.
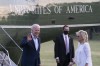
(66,44)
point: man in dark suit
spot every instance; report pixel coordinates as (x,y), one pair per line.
(31,47)
(64,48)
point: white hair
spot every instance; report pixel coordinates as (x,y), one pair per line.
(84,35)
(34,26)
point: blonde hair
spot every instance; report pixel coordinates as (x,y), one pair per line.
(84,35)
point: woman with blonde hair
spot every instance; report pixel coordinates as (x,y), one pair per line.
(83,51)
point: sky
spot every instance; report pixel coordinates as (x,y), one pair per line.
(41,2)
(8,2)
(44,2)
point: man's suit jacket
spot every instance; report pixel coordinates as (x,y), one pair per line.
(60,49)
(30,56)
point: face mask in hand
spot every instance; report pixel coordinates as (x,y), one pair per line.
(66,32)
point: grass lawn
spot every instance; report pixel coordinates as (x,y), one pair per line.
(47,53)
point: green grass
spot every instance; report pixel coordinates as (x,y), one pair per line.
(47,52)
